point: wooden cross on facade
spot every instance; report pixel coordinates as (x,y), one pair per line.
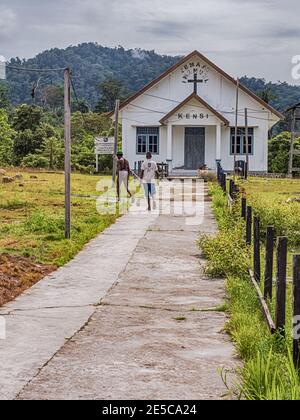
(195,80)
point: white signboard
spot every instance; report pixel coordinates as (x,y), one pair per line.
(104,145)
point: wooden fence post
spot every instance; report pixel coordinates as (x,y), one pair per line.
(244,208)
(281,284)
(268,288)
(296,311)
(256,248)
(224,180)
(231,188)
(249,225)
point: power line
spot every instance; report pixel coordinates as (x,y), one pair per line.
(33,70)
(255,118)
(78,102)
(165,112)
(140,122)
(221,111)
(148,109)
(74,91)
(161,97)
(218,110)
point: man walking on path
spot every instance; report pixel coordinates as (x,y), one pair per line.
(149,171)
(123,173)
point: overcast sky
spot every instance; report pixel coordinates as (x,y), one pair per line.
(253,37)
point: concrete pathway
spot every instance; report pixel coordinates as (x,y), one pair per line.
(156,334)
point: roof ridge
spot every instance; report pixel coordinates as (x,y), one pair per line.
(211,64)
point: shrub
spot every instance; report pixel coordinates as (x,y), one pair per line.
(42,223)
(35,161)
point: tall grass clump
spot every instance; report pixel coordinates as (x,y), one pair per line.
(268,372)
(277,202)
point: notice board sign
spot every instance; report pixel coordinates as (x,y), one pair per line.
(104,145)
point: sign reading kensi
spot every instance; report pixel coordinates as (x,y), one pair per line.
(192,116)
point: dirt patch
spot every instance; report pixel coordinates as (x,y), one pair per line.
(18,274)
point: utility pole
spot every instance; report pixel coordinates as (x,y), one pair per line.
(295,132)
(293,128)
(247,143)
(67,126)
(116,139)
(97,163)
(236,125)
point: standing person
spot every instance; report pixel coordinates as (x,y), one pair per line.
(149,171)
(123,172)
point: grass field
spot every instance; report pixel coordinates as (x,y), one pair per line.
(32,224)
(32,216)
(277,201)
(268,369)
(268,372)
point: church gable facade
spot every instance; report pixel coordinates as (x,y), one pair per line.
(186,117)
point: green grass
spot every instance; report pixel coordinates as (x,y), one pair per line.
(268,372)
(269,198)
(32,216)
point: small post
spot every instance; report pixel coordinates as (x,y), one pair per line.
(97,163)
(296,312)
(236,127)
(256,248)
(224,182)
(231,188)
(244,207)
(247,143)
(116,139)
(67,135)
(281,284)
(249,225)
(218,173)
(268,288)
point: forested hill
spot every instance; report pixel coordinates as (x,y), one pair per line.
(92,63)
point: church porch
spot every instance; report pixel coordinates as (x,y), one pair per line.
(190,147)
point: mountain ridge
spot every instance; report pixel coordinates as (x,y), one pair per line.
(91,63)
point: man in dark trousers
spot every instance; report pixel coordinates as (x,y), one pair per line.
(123,172)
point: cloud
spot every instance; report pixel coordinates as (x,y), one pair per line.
(256,37)
(163,28)
(8,23)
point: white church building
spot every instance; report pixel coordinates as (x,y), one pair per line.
(186,117)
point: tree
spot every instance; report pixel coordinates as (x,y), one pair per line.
(267,95)
(83,155)
(110,89)
(6,140)
(53,97)
(91,123)
(53,150)
(279,149)
(32,141)
(27,117)
(80,106)
(4,100)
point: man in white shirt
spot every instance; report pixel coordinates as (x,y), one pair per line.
(149,171)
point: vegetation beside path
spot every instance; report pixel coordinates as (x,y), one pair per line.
(268,372)
(32,242)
